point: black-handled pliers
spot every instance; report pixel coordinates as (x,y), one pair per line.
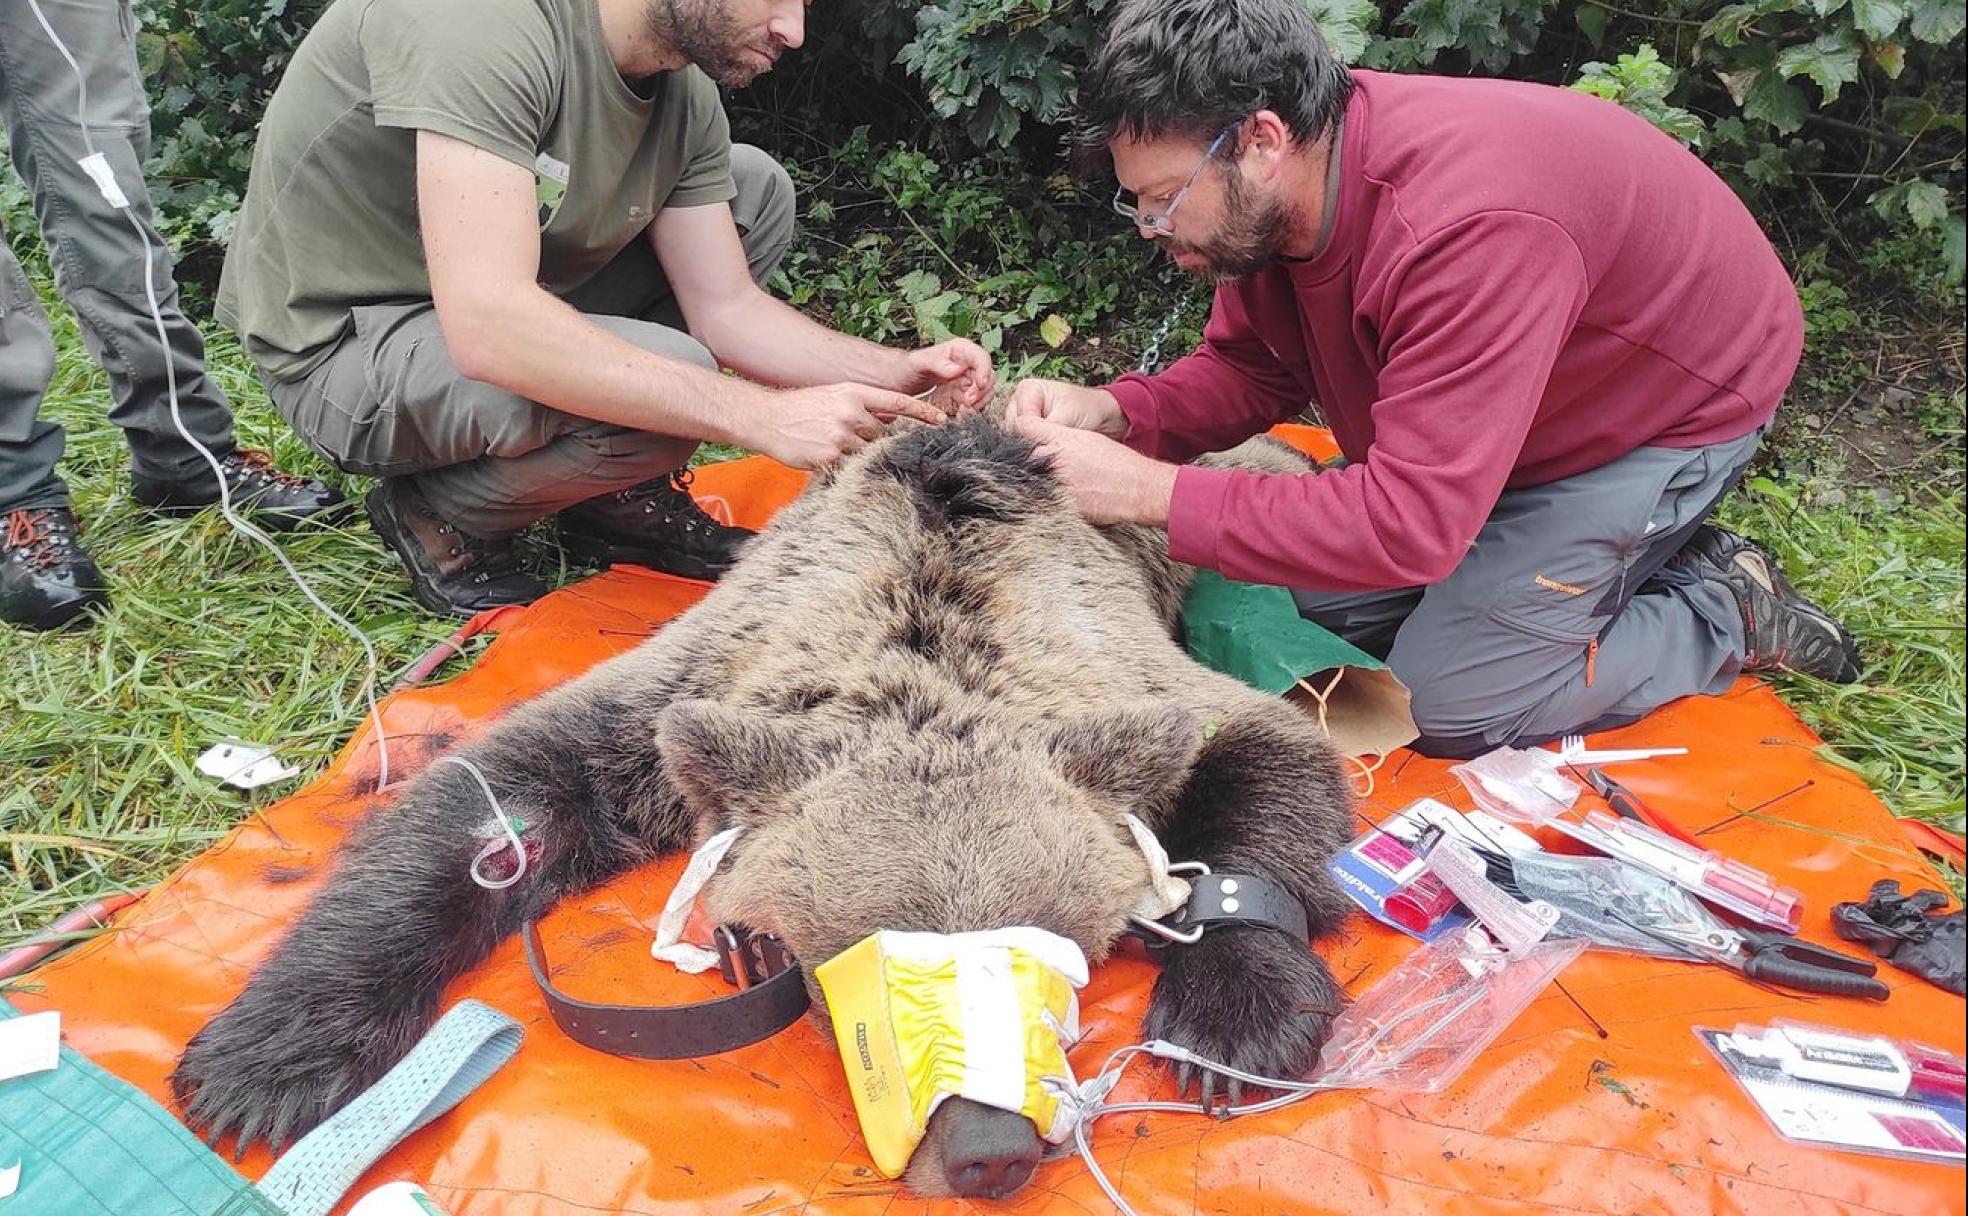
(1789,962)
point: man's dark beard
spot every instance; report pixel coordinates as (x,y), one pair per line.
(708,37)
(1250,238)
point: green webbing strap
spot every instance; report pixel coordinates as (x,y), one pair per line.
(467,1045)
(90,1144)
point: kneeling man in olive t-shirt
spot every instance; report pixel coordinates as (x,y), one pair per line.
(495,253)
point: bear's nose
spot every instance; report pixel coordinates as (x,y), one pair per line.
(987,1153)
(993,1175)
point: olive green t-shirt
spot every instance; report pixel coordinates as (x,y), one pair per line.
(330,217)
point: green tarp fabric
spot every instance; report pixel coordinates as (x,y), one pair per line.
(89,1144)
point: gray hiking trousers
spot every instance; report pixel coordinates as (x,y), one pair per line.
(98,257)
(1564,616)
(389,402)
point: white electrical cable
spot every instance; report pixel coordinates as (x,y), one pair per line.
(98,168)
(509,840)
(1352,1072)
(1110,1075)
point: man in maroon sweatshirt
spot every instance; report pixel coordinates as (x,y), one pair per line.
(1547,339)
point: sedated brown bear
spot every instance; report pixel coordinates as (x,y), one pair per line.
(929,694)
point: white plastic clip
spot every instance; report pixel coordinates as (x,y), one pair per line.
(96,165)
(245,765)
(30,1044)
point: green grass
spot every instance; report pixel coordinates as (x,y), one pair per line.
(208,640)
(1889,563)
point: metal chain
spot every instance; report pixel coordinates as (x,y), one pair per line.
(1152,357)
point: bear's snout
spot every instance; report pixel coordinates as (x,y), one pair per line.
(985,1152)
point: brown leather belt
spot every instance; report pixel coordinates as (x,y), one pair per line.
(771,996)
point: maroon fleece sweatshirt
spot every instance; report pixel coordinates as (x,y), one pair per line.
(1522,283)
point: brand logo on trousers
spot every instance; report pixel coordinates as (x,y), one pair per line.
(1554,585)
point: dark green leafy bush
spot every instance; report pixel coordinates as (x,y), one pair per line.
(1838,109)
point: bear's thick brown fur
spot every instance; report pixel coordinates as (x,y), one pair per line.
(929,693)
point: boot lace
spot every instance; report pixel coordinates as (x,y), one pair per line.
(253,467)
(671,496)
(40,538)
(486,559)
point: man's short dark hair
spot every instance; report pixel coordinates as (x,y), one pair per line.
(1194,67)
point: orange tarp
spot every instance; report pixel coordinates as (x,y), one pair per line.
(1553,1118)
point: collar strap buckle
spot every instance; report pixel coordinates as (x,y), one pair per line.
(771,996)
(1224,899)
(746,958)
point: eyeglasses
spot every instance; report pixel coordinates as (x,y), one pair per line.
(1160,223)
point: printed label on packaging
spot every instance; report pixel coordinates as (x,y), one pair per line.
(1514,924)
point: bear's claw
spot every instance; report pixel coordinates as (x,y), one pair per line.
(269,1070)
(1249,998)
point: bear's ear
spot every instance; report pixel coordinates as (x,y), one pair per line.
(729,763)
(1139,756)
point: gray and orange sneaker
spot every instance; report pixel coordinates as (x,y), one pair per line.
(279,501)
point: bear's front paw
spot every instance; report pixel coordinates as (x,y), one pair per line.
(266,1069)
(1251,998)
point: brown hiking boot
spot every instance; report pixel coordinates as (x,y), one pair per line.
(1782,630)
(451,572)
(656,524)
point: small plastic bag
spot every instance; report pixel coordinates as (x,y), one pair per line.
(1518,786)
(1425,1021)
(1601,901)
